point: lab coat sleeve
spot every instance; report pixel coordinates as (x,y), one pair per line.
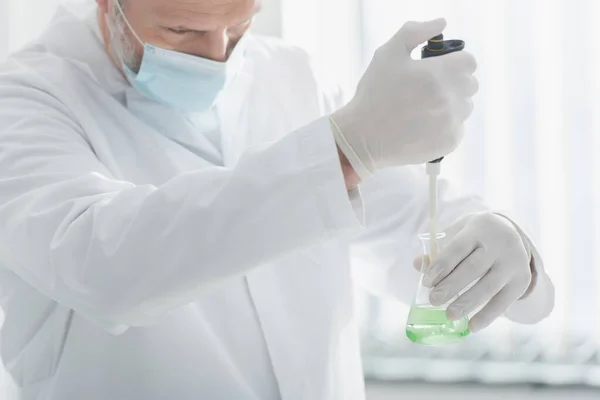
(396,211)
(122,254)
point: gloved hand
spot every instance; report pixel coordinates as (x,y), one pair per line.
(406,111)
(486,246)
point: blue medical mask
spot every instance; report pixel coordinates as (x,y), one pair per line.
(178,80)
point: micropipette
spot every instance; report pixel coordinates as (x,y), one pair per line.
(436,46)
(427,324)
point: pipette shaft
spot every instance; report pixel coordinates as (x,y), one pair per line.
(433,216)
(436,46)
(433,170)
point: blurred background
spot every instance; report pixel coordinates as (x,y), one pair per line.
(532,149)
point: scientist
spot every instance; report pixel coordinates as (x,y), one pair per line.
(180,213)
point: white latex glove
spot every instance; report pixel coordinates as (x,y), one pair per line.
(406,111)
(486,246)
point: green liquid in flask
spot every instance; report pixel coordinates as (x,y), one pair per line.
(429,325)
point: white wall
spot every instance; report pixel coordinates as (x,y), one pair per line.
(268,21)
(27,19)
(4,38)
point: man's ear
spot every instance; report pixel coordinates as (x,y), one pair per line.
(103,5)
(101,13)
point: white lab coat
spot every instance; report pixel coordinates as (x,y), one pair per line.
(140,261)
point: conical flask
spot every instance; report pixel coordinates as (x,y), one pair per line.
(427,324)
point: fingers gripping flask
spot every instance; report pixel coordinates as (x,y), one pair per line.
(428,324)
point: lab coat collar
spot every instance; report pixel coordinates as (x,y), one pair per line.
(74,21)
(187,129)
(232,110)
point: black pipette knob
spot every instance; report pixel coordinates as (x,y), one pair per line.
(437,46)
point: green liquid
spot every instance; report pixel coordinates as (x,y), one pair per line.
(429,326)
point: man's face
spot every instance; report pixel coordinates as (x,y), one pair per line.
(204,28)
